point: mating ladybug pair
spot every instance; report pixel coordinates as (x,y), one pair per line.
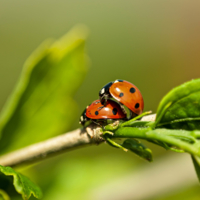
(114,97)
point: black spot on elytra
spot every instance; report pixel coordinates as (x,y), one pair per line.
(121,94)
(137,105)
(120,80)
(96,112)
(114,111)
(132,90)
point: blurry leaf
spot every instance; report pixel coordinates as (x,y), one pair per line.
(22,184)
(42,105)
(180,108)
(138,148)
(196,162)
(4,195)
(74,180)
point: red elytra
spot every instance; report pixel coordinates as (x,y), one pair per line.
(128,94)
(111,110)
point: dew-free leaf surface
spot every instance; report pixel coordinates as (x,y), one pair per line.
(138,148)
(21,183)
(4,195)
(41,105)
(180,108)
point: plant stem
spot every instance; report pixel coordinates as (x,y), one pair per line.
(62,143)
(162,135)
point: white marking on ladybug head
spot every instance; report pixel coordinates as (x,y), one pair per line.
(116,81)
(87,107)
(81,118)
(103,91)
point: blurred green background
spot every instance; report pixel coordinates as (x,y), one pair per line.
(153,44)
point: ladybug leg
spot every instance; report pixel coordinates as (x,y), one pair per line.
(84,120)
(132,115)
(104,99)
(123,109)
(100,108)
(96,123)
(114,144)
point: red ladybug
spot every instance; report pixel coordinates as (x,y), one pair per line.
(98,112)
(125,93)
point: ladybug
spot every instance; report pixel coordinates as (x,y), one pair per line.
(125,93)
(98,113)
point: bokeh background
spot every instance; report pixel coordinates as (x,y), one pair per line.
(153,44)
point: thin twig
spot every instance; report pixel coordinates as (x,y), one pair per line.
(62,143)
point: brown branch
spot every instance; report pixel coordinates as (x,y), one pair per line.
(62,143)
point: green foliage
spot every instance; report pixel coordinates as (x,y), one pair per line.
(180,108)
(138,148)
(196,162)
(42,105)
(21,183)
(176,127)
(4,195)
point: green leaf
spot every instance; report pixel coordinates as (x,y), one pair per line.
(22,184)
(138,148)
(187,136)
(196,162)
(180,108)
(181,139)
(4,195)
(42,105)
